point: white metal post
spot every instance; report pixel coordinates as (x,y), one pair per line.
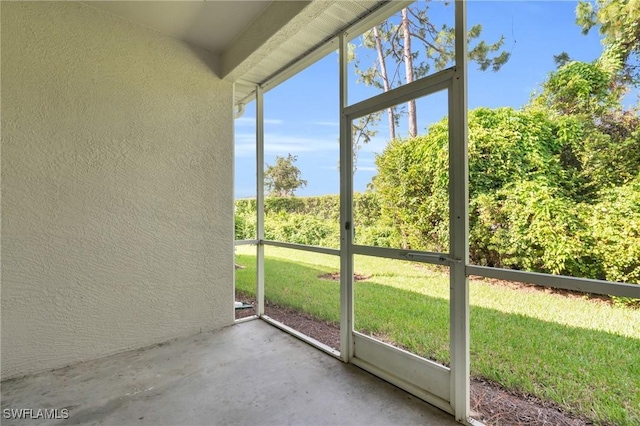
(259,201)
(459,222)
(233,211)
(346,214)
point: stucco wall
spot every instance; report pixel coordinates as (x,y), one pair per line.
(117,198)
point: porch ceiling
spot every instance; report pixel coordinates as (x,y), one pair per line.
(211,25)
(253,40)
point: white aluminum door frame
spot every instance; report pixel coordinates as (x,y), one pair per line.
(459,222)
(447,388)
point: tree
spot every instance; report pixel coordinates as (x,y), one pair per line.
(415,41)
(283,178)
(361,132)
(561,59)
(579,88)
(619,24)
(587,98)
(607,154)
(505,145)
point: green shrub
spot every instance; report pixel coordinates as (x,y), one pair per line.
(301,229)
(245,206)
(412,184)
(579,88)
(614,225)
(245,223)
(366,208)
(378,236)
(528,225)
(283,205)
(318,210)
(324,207)
(506,145)
(543,196)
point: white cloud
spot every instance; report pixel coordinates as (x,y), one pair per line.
(283,144)
(277,143)
(245,144)
(326,123)
(249,121)
(273,121)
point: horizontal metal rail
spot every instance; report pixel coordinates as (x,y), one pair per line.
(425,86)
(307,339)
(295,246)
(245,242)
(584,285)
(246,319)
(415,256)
(428,257)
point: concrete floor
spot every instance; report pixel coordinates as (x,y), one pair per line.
(247,374)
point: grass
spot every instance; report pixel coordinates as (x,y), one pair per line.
(582,354)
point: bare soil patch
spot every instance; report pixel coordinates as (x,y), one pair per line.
(323,331)
(490,403)
(335,276)
(496,406)
(532,288)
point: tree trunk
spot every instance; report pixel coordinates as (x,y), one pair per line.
(408,65)
(385,81)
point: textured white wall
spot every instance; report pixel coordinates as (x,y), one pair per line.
(117,198)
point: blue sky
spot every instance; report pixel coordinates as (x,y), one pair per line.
(301,115)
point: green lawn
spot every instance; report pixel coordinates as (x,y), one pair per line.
(583,355)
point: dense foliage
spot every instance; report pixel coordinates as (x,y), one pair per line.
(618,21)
(541,197)
(312,220)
